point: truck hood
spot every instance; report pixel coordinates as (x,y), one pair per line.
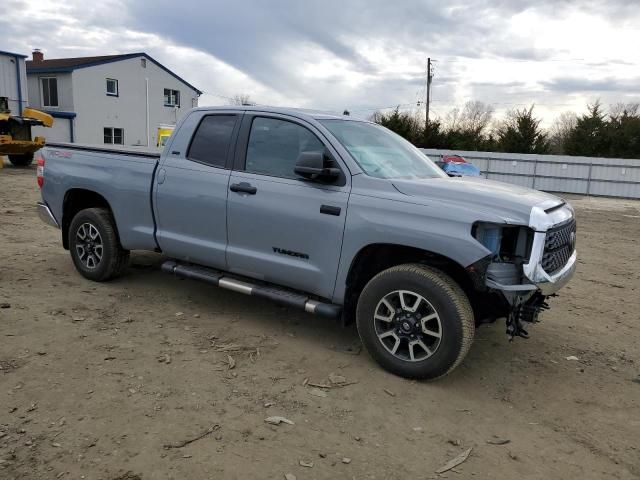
(509,203)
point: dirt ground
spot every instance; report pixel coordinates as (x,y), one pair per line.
(108,381)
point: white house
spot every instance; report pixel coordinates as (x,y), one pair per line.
(13,82)
(112,99)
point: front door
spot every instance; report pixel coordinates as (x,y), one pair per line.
(191,191)
(281,228)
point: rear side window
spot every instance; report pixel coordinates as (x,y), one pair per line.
(211,141)
(274,146)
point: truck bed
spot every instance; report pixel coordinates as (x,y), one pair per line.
(122,176)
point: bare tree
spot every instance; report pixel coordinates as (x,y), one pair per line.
(619,110)
(474,118)
(560,131)
(242,99)
(452,120)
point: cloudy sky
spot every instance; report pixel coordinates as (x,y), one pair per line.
(361,55)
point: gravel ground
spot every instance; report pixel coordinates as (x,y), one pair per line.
(113,381)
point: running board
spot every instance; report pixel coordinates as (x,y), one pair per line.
(276,294)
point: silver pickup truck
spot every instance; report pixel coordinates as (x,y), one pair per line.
(336,216)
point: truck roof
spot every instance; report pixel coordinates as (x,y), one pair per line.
(295,112)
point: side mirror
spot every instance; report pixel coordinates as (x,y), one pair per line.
(314,166)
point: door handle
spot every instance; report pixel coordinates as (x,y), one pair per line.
(243,188)
(330,210)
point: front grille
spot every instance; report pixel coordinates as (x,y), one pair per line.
(559,246)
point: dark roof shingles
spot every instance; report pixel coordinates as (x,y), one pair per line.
(69,64)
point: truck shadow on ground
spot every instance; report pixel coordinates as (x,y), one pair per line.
(215,307)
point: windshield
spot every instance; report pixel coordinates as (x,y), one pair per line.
(380,152)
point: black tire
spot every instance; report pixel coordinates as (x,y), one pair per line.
(113,258)
(441,296)
(21,160)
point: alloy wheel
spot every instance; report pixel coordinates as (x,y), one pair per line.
(407,325)
(89,245)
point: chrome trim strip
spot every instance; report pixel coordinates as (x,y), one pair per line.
(46,216)
(541,221)
(525,287)
(310,306)
(236,286)
(560,279)
(533,270)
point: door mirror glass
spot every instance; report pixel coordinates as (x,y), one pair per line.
(316,166)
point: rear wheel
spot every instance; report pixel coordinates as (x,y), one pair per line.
(21,160)
(415,321)
(94,245)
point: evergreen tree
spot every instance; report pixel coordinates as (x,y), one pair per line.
(402,123)
(624,131)
(590,136)
(520,132)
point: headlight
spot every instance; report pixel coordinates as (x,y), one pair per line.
(507,243)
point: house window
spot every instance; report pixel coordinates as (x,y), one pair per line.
(171,98)
(114,136)
(49,91)
(112,87)
(143,62)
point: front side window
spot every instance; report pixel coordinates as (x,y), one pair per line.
(112,87)
(381,153)
(49,92)
(114,136)
(211,141)
(171,98)
(275,145)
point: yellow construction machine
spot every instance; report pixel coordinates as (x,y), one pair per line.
(15,135)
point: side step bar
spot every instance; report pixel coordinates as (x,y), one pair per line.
(276,294)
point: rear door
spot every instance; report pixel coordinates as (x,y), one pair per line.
(191,189)
(282,228)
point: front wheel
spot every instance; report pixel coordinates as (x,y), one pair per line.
(415,321)
(94,245)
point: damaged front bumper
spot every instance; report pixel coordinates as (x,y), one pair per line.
(526,287)
(538,279)
(545,220)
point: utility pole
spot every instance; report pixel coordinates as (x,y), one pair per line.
(429,77)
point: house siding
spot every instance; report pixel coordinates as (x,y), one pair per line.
(83,92)
(65,91)
(62,127)
(96,110)
(9,81)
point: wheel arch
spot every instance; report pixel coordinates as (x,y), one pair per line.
(75,200)
(374,258)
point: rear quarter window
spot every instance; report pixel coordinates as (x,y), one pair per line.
(210,143)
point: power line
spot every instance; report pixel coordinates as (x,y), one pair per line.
(509,103)
(397,105)
(593,63)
